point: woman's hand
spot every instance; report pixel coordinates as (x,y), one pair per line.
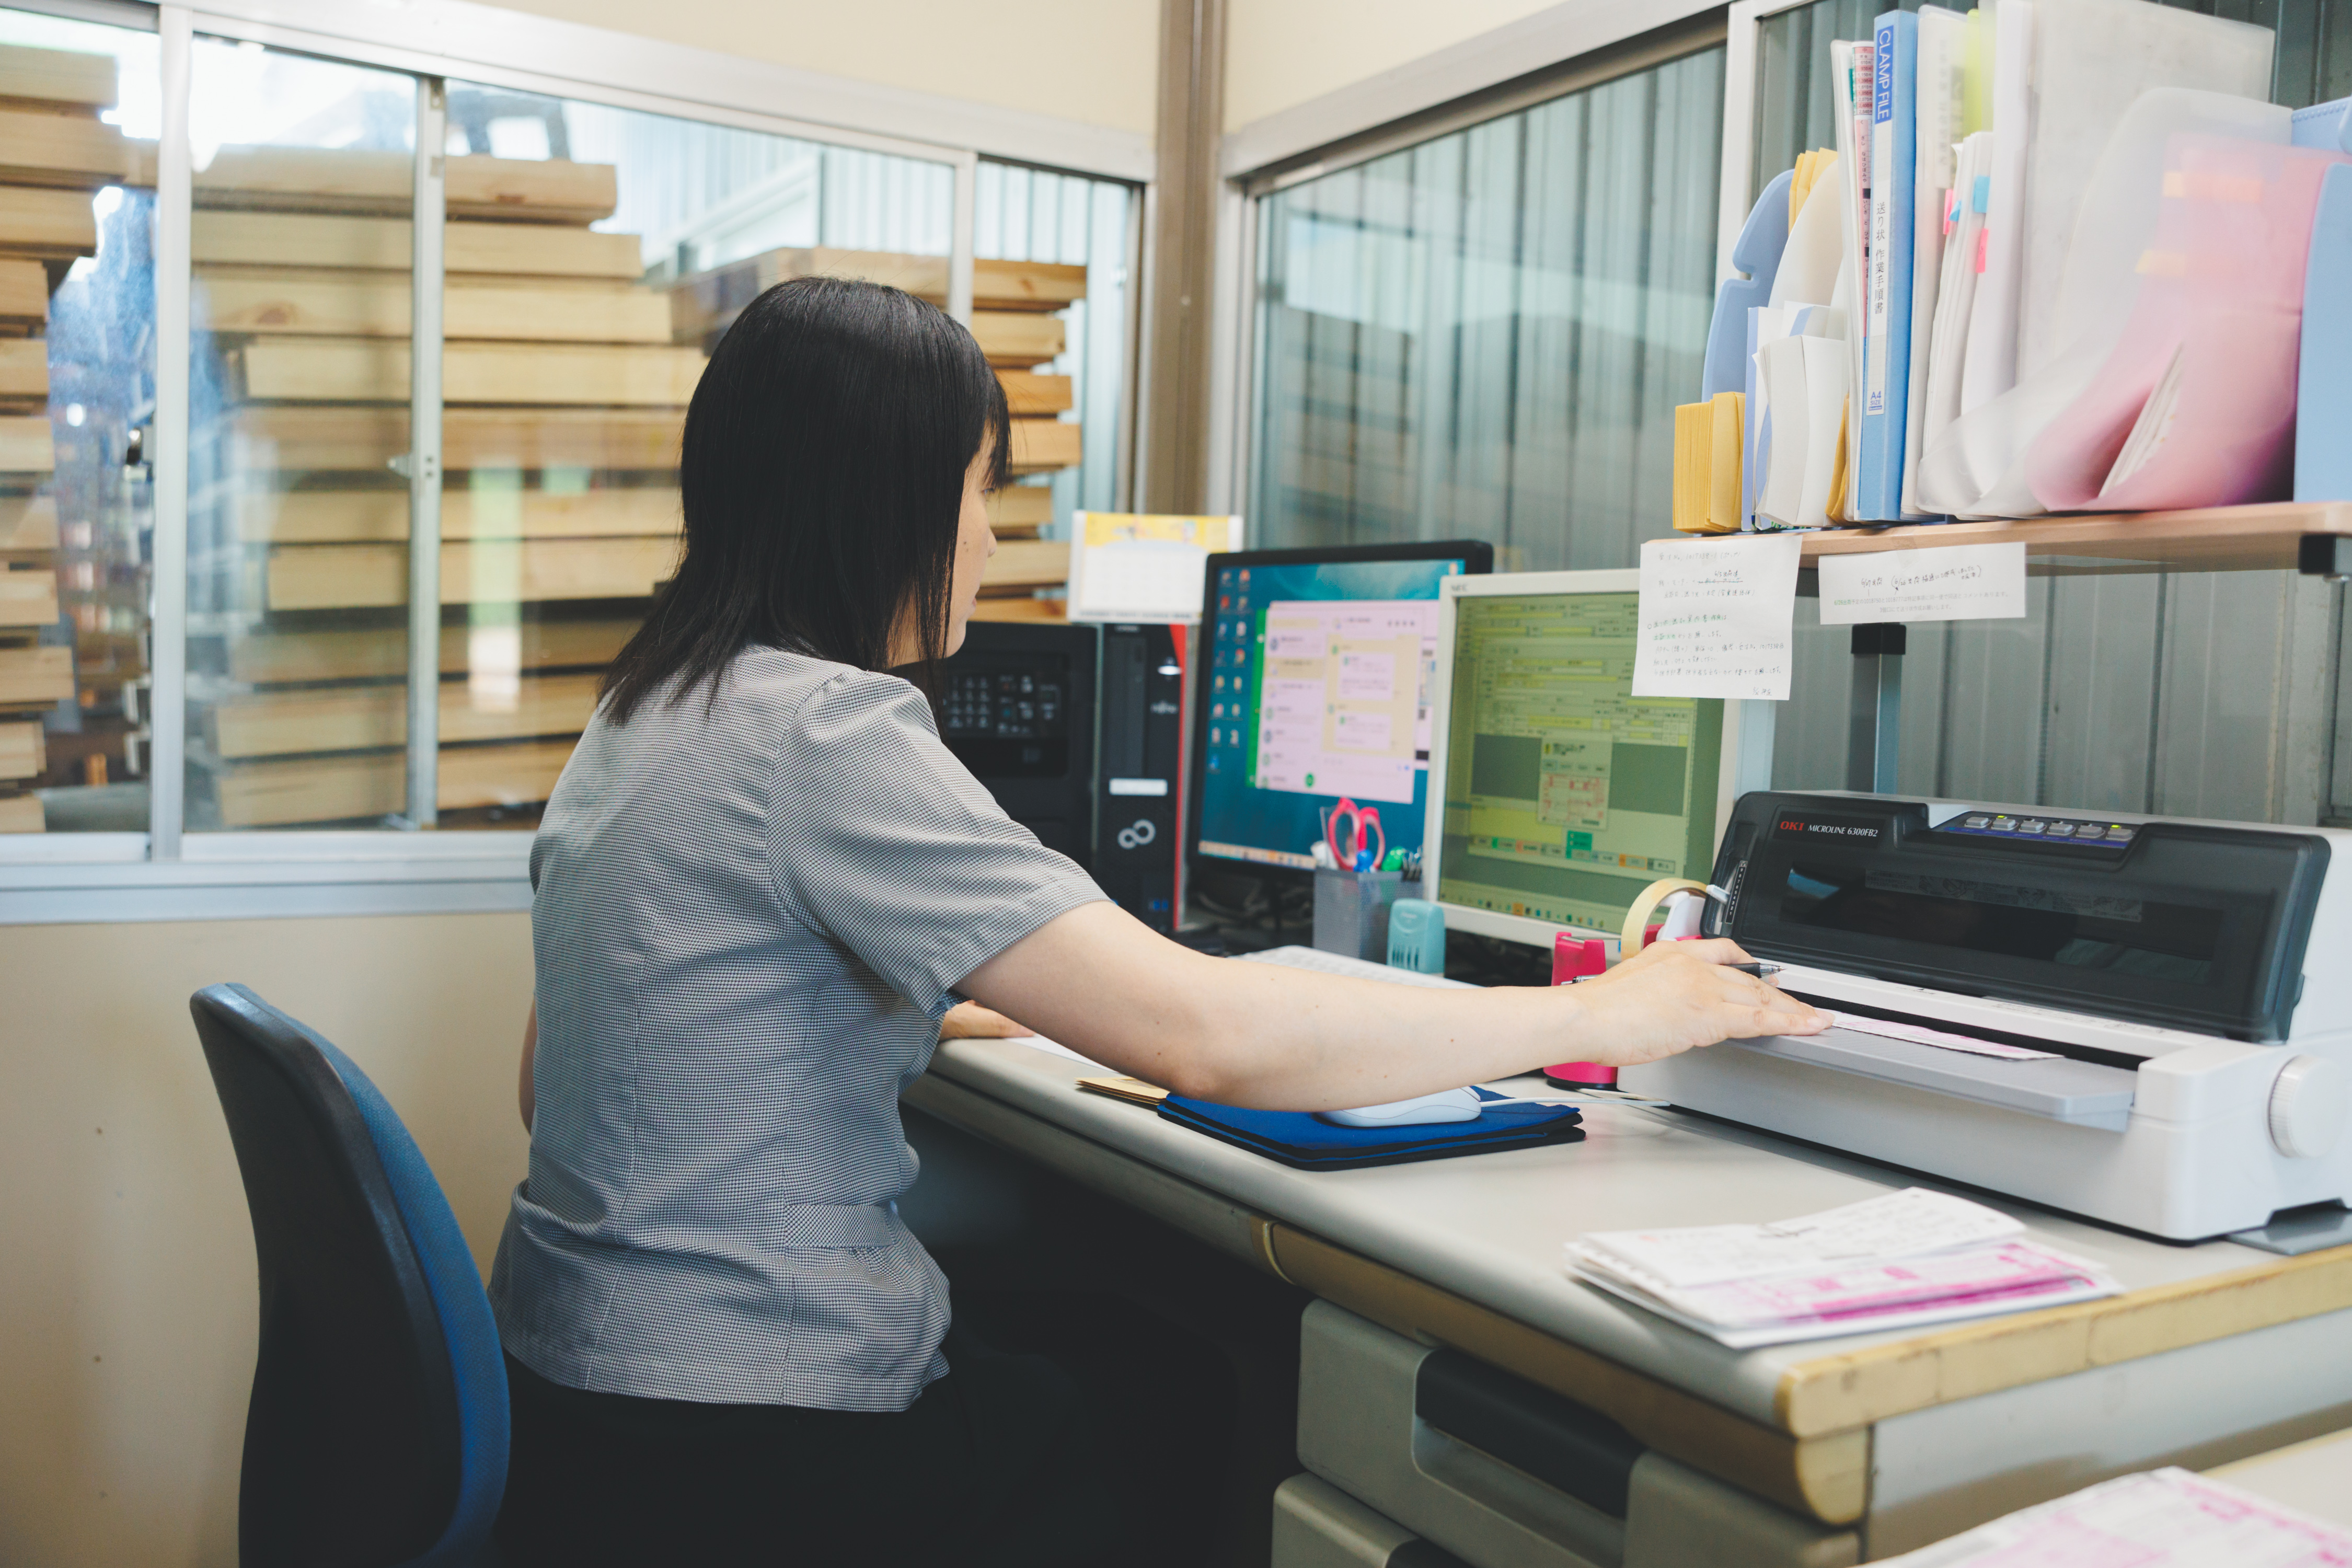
(1674,995)
(970,1021)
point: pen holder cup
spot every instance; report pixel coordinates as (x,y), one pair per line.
(1352,911)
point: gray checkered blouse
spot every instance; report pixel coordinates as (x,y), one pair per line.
(749,915)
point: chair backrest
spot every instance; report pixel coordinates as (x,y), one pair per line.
(377,1432)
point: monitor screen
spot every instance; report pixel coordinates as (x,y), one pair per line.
(1316,690)
(1566,794)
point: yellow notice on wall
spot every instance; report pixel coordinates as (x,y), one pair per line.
(1141,566)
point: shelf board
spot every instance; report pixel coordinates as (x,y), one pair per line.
(2260,538)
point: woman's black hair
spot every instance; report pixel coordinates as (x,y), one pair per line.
(822,477)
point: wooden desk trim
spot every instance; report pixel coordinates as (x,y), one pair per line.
(1941,1366)
(1827,1477)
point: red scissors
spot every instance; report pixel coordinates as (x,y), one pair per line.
(1354,856)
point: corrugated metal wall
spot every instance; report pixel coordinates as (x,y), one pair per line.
(2206,694)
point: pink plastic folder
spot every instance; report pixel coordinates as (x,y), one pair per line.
(2196,405)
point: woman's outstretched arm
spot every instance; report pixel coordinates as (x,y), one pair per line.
(1261,1035)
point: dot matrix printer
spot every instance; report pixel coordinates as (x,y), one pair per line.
(2143,1020)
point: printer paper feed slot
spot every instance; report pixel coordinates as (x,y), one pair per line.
(2084,1094)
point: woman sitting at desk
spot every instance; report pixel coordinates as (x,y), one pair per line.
(761,883)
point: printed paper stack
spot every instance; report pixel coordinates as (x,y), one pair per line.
(1909,1258)
(2161,1518)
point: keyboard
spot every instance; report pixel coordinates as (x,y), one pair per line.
(1323,962)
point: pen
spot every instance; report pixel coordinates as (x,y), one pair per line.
(1757,970)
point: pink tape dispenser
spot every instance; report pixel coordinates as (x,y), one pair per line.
(1667,911)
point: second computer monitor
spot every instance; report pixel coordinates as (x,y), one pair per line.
(1315,690)
(1563,794)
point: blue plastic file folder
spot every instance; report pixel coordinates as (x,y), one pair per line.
(1757,252)
(1296,1138)
(2323,409)
(1886,395)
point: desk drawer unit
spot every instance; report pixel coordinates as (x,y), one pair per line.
(1503,1474)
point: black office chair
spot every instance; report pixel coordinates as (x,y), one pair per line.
(377,1433)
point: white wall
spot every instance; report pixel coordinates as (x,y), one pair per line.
(127,1288)
(1281,53)
(1091,60)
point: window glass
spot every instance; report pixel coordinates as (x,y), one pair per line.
(1484,335)
(1053,246)
(573,345)
(299,424)
(78,115)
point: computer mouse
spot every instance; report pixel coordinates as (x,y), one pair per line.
(1422,1111)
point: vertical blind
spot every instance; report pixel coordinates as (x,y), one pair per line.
(1484,335)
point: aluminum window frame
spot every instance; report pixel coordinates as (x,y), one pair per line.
(169,873)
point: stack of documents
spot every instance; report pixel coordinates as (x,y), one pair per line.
(2161,1518)
(1911,1257)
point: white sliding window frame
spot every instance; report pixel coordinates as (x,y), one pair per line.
(167,873)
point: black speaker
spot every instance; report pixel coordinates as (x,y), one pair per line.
(1016,704)
(1137,829)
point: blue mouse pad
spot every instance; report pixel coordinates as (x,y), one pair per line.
(1296,1138)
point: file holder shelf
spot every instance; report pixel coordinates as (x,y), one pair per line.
(2311,537)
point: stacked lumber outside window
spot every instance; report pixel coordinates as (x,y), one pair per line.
(55,152)
(1017,319)
(563,400)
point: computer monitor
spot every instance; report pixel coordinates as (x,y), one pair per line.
(1563,794)
(1314,672)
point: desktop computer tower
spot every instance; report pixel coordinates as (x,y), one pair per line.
(1016,705)
(1138,834)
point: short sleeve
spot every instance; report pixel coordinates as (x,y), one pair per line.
(879,837)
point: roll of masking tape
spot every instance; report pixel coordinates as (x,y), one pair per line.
(1646,904)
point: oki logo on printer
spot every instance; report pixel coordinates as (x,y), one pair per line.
(1830,826)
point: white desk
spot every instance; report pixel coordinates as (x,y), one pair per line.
(2213,1352)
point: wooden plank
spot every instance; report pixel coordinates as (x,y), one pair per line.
(355,718)
(56,80)
(339,180)
(1827,1477)
(375,576)
(1041,444)
(22,814)
(322,439)
(1025,610)
(23,296)
(1939,1367)
(332,789)
(28,598)
(1018,337)
(707,302)
(71,150)
(1020,507)
(48,226)
(377,304)
(1027,392)
(36,673)
(2258,538)
(24,367)
(383,653)
(349,369)
(25,446)
(1028,564)
(339,241)
(353,517)
(28,522)
(22,754)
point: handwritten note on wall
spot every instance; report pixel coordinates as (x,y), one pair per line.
(1715,617)
(1950,583)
